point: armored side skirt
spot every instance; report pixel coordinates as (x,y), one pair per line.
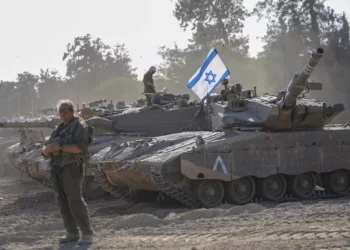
(290,153)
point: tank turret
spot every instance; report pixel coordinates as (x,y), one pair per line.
(289,109)
(169,114)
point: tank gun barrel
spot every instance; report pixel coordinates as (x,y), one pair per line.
(30,124)
(299,82)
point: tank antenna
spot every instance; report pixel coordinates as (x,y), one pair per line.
(284,58)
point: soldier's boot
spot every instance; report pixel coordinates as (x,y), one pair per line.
(85,239)
(70,237)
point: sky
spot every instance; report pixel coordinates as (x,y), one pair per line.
(34,33)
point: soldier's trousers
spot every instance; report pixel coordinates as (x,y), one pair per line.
(68,186)
(149,100)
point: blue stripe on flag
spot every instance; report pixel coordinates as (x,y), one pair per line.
(205,65)
(226,74)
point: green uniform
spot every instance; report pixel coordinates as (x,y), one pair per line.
(148,77)
(68,175)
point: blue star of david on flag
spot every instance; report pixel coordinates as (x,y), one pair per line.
(209,76)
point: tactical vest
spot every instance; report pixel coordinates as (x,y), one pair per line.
(65,136)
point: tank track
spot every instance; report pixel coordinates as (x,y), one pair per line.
(187,200)
(176,193)
(119,192)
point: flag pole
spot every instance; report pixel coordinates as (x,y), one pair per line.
(205,57)
(206,105)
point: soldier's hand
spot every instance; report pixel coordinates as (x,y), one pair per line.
(52,148)
(55,147)
(47,149)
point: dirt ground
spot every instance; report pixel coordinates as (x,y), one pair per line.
(29,219)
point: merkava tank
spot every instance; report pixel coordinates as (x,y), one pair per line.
(22,154)
(26,155)
(271,148)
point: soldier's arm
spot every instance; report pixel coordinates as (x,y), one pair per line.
(148,80)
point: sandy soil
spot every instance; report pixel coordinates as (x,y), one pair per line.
(29,219)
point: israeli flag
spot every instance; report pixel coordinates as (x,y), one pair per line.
(209,76)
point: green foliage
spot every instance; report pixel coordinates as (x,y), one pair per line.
(91,62)
(214,22)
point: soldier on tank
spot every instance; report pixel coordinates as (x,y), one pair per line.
(225,83)
(110,106)
(149,85)
(67,148)
(86,112)
(223,93)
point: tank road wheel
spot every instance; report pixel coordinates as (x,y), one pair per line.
(273,187)
(91,190)
(209,192)
(240,191)
(338,182)
(303,185)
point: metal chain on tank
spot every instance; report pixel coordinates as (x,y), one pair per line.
(176,193)
(119,192)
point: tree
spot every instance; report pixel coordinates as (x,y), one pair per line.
(27,87)
(91,62)
(8,98)
(221,21)
(51,88)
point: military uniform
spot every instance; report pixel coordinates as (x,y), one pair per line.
(68,175)
(148,89)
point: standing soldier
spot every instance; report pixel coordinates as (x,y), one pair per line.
(149,84)
(67,148)
(110,106)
